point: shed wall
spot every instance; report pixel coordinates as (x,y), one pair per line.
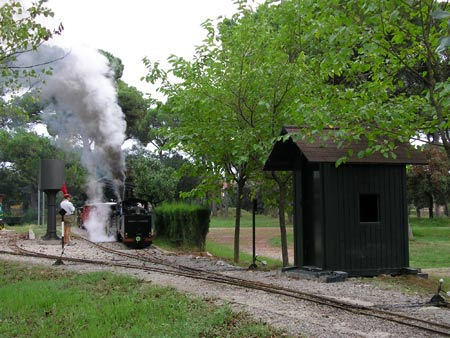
(352,245)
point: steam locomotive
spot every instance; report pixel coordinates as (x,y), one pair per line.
(132,219)
(136,223)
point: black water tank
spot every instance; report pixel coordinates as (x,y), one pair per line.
(52,174)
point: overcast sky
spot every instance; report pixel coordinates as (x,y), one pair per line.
(134,29)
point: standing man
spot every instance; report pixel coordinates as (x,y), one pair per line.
(69,217)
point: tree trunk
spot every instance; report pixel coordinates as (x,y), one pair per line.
(430,206)
(237,226)
(418,212)
(446,209)
(282,188)
(225,202)
(33,200)
(214,208)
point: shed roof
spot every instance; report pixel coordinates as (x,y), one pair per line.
(284,154)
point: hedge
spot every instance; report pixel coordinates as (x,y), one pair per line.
(184,224)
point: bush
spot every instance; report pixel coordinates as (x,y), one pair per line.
(183,223)
(30,216)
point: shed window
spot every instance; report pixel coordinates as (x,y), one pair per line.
(369,208)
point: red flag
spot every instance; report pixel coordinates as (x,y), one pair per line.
(64,188)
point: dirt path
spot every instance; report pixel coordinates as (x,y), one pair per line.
(225,236)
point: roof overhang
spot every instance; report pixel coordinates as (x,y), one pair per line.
(287,153)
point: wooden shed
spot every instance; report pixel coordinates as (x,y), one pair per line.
(352,218)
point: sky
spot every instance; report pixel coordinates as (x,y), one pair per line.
(134,29)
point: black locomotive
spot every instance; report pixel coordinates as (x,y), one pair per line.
(136,222)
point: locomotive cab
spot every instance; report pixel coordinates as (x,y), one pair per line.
(136,223)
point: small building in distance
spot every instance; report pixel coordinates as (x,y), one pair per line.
(351,218)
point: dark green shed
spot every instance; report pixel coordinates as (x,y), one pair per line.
(352,218)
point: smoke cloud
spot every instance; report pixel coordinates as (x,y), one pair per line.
(82,108)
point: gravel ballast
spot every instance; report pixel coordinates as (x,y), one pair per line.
(299,318)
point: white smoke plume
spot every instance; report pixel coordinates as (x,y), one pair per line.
(97,224)
(82,105)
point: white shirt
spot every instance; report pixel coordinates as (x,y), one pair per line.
(67,206)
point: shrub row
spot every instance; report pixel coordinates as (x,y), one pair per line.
(183,223)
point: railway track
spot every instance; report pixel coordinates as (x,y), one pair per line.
(142,261)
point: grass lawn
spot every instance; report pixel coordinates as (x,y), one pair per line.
(261,221)
(430,247)
(46,302)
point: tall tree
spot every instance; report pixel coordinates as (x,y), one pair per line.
(152,180)
(21,32)
(133,103)
(153,128)
(383,71)
(431,183)
(231,99)
(20,155)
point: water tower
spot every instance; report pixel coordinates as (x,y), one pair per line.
(51,181)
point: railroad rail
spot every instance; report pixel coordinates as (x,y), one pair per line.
(165,267)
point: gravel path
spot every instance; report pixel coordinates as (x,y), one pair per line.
(299,318)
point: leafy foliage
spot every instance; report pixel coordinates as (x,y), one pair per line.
(153,128)
(134,106)
(115,64)
(151,180)
(20,155)
(21,32)
(230,101)
(381,74)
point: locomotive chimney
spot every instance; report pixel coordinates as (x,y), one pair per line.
(51,181)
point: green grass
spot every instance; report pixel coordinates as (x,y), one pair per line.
(433,222)
(39,230)
(276,241)
(430,247)
(226,253)
(48,302)
(261,221)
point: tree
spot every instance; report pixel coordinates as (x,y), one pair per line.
(431,183)
(151,180)
(382,72)
(152,129)
(20,33)
(134,106)
(115,64)
(132,102)
(20,155)
(230,100)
